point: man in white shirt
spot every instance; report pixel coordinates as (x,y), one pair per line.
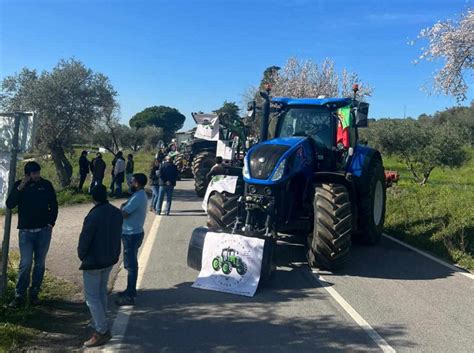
(119,174)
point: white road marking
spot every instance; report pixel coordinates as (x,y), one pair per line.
(383,345)
(431,257)
(123,315)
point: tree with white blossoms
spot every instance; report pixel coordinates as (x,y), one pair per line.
(305,78)
(453,42)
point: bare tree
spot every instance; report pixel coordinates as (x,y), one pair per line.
(452,42)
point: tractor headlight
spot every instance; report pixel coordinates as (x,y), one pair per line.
(279,171)
(245,171)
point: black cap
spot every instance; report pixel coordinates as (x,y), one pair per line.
(32,167)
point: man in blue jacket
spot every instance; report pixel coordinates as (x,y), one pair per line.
(98,250)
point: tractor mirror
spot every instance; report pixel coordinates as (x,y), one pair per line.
(361,114)
(251,109)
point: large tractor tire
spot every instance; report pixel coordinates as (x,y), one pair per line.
(222,209)
(182,164)
(371,204)
(330,243)
(202,164)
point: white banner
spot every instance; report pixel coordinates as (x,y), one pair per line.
(208,130)
(231,263)
(224,151)
(220,183)
(4,170)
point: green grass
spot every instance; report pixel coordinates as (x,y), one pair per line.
(437,217)
(23,327)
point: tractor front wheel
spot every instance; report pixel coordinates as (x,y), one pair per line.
(330,242)
(226,268)
(222,210)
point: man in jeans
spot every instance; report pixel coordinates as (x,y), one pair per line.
(168,176)
(134,213)
(37,213)
(99,250)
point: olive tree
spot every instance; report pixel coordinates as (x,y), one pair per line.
(421,145)
(69,100)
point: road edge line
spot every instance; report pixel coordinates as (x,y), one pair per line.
(431,257)
(379,341)
(123,314)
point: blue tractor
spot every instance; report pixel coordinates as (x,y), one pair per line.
(312,178)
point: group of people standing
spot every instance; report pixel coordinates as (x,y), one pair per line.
(121,171)
(106,229)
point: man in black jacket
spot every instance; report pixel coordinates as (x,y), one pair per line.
(98,170)
(99,249)
(168,176)
(83,169)
(37,214)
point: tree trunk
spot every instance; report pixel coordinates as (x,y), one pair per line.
(426,175)
(63,167)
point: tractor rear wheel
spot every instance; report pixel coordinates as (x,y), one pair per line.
(371,205)
(222,210)
(330,242)
(202,164)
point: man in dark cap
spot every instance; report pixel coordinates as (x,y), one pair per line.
(37,213)
(98,250)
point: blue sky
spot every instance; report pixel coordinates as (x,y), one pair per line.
(193,55)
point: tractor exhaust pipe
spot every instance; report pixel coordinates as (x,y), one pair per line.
(266,114)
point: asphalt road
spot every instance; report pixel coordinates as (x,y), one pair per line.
(388,298)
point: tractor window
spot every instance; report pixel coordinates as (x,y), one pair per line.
(314,122)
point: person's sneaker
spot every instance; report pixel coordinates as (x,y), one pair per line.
(34,300)
(98,340)
(122,294)
(16,303)
(124,301)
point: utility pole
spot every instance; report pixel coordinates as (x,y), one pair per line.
(8,212)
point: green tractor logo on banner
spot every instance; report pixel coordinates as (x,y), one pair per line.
(229,260)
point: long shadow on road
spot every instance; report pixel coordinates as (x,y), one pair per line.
(288,316)
(387,260)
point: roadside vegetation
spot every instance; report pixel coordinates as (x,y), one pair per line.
(54,324)
(437,217)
